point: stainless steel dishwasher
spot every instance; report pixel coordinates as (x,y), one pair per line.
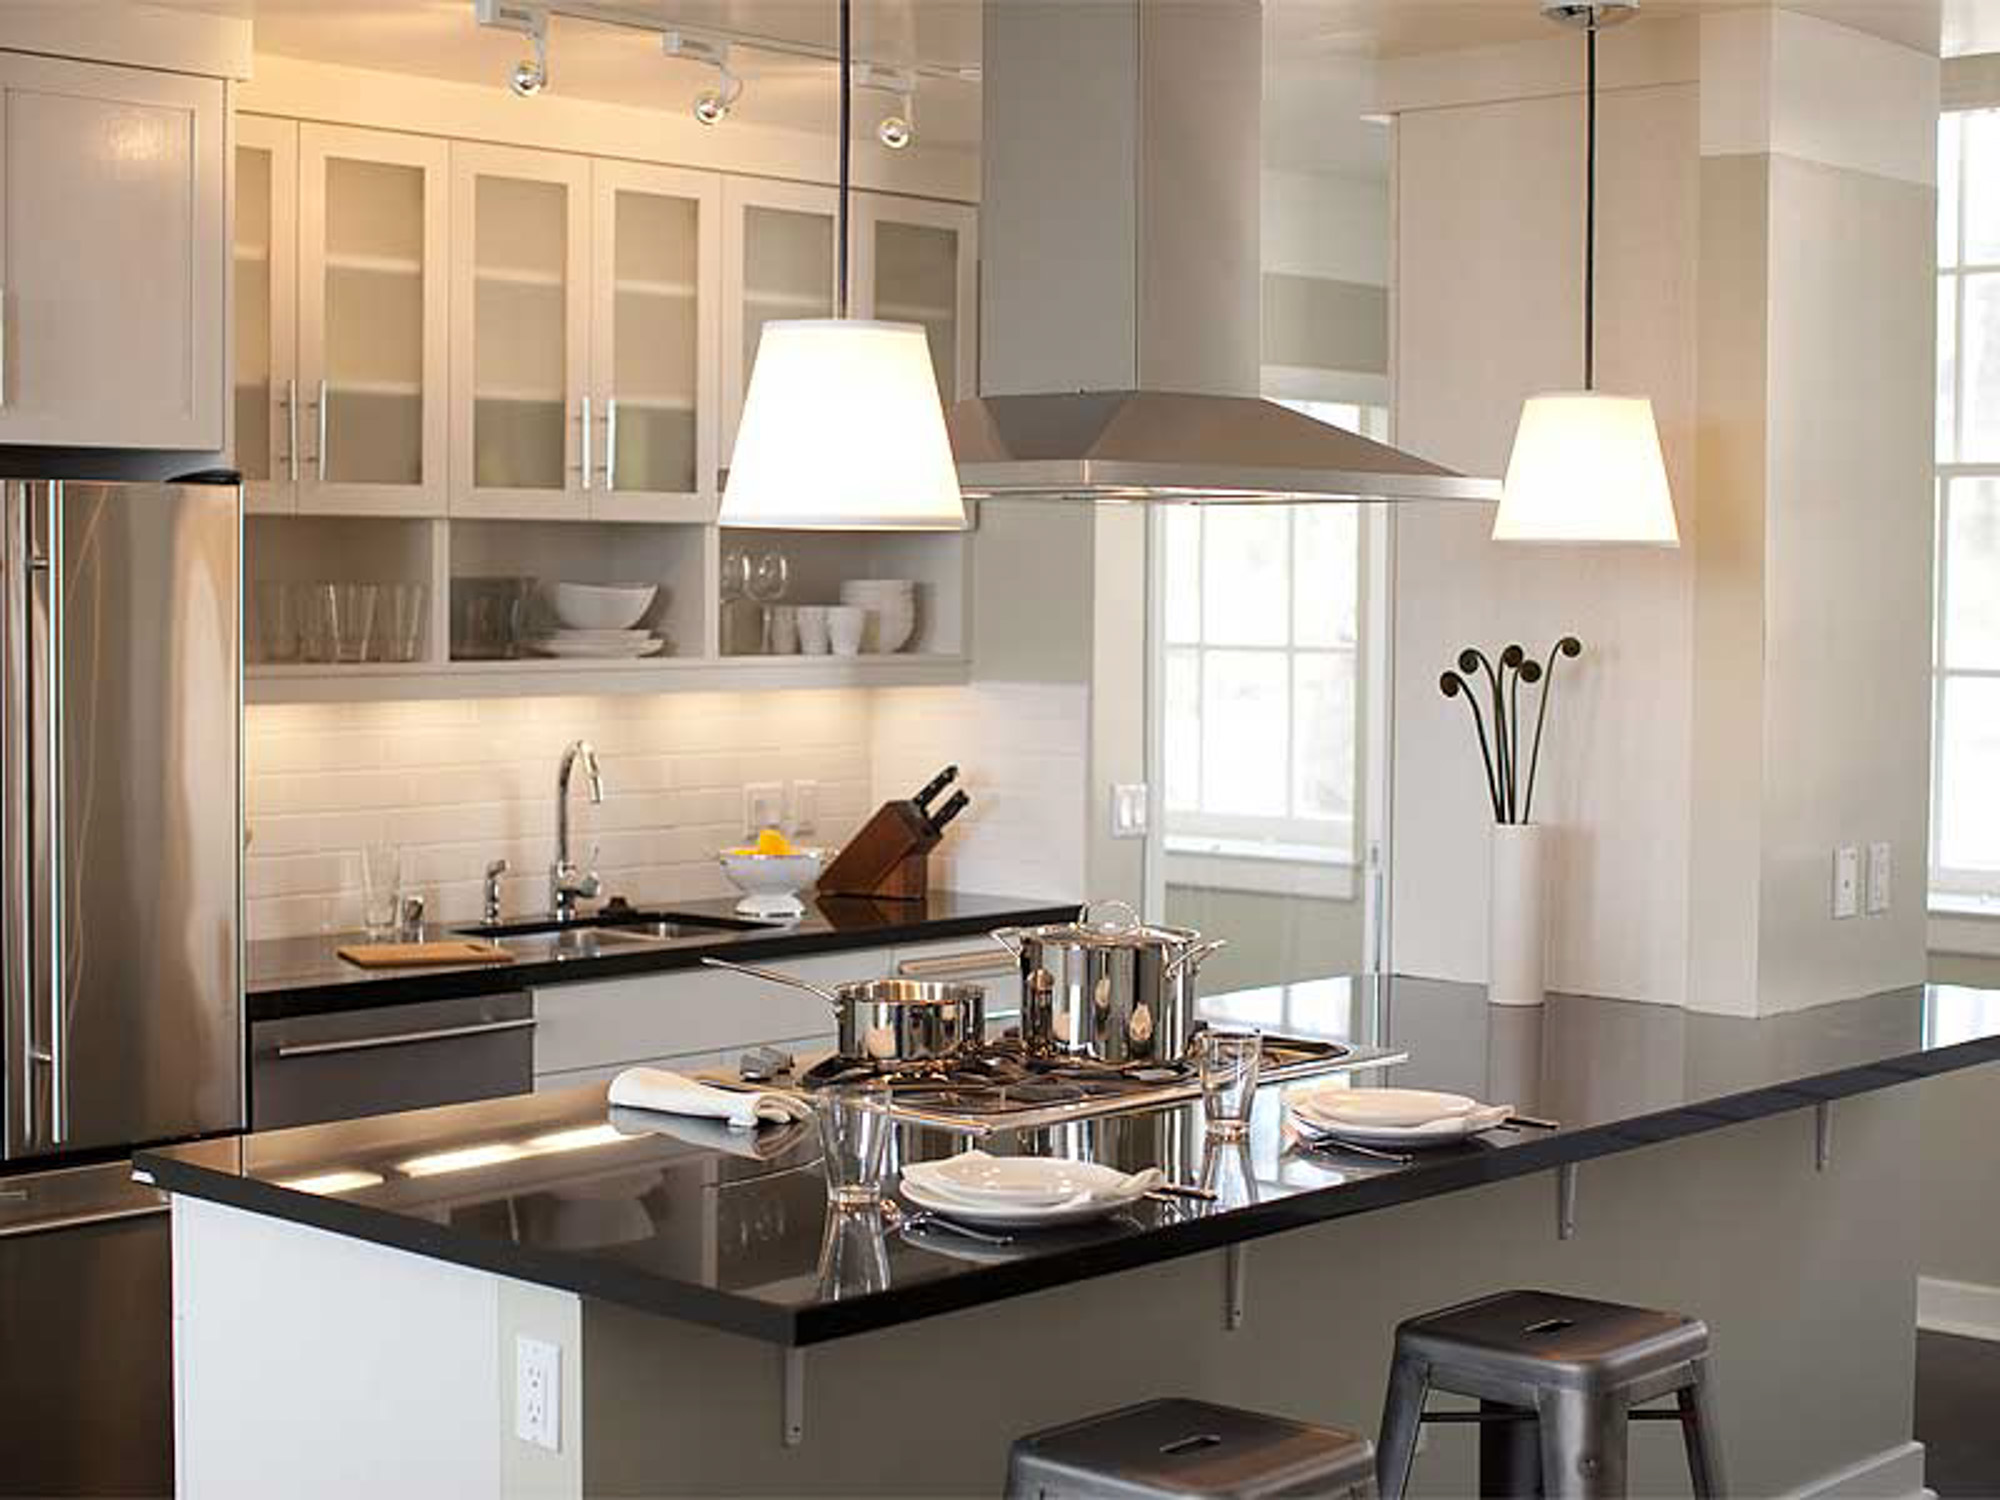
(312,1069)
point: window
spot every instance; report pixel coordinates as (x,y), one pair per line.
(1965,771)
(1262,615)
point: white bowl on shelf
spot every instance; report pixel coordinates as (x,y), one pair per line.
(771,882)
(597,606)
(891,604)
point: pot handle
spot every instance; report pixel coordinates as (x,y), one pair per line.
(1192,957)
(775,976)
(1131,914)
(1008,938)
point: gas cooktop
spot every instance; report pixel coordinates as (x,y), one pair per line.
(1003,1086)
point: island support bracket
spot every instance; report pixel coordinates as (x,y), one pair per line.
(1235,1276)
(1822,1135)
(1566,1202)
(792,1396)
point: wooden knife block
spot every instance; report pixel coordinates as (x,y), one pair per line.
(888,860)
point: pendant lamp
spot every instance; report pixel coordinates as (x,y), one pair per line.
(1586,465)
(842,426)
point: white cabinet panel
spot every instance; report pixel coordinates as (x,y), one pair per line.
(113,256)
(267,312)
(915,261)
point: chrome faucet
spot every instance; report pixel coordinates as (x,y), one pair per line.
(566,881)
(494,874)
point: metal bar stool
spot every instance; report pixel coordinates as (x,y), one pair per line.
(1557,1379)
(1165,1450)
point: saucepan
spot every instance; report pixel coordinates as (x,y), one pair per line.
(892,1020)
(1108,986)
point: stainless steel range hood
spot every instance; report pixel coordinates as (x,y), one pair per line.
(1120,296)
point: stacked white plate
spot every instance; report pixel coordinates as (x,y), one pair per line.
(606,644)
(1390,1117)
(891,604)
(1023,1192)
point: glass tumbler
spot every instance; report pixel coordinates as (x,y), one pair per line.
(354,607)
(278,621)
(381,889)
(399,623)
(854,1127)
(853,1252)
(318,639)
(1229,1061)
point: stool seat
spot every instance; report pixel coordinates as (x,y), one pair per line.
(1177,1447)
(1545,1338)
(1558,1379)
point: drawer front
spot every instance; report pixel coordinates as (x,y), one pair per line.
(686,1012)
(969,960)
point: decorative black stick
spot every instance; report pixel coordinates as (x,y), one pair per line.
(1568,646)
(1513,657)
(1469,659)
(1453,686)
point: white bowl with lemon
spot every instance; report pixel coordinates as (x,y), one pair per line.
(771,873)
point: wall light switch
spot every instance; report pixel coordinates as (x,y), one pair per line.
(1846,882)
(763,807)
(538,1393)
(1878,879)
(1128,810)
(805,806)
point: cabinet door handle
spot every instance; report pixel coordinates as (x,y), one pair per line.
(290,401)
(320,458)
(403,1038)
(4,391)
(587,430)
(611,443)
(957,965)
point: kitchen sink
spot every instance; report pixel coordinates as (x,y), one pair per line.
(620,926)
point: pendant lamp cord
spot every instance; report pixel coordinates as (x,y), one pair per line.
(846,148)
(1589,206)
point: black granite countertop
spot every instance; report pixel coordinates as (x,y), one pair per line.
(288,977)
(688,1222)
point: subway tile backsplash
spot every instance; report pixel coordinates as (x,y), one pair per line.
(460,783)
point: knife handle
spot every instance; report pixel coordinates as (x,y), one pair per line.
(929,794)
(950,810)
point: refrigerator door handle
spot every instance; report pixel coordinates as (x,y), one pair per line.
(16,955)
(45,791)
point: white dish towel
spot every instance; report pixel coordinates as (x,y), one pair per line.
(676,1094)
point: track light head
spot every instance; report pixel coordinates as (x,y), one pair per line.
(711,107)
(895,132)
(524,18)
(531,76)
(1590,15)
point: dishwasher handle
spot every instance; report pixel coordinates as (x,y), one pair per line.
(967,965)
(402,1038)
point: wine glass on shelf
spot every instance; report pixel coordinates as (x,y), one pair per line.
(770,574)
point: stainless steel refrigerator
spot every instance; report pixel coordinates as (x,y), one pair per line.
(121,836)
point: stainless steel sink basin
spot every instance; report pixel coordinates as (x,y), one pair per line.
(646,926)
(571,943)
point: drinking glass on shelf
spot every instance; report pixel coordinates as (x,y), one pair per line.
(399,608)
(854,1128)
(278,622)
(354,607)
(735,574)
(381,889)
(1230,1056)
(319,640)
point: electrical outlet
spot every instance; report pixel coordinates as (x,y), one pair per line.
(805,807)
(1846,882)
(1128,810)
(1878,879)
(763,807)
(538,1393)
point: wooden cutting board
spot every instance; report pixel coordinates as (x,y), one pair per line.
(415,955)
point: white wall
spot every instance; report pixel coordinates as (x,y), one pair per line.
(1330,225)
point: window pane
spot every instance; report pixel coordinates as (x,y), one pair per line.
(1969,813)
(1979,371)
(1244,734)
(1326,572)
(1182,730)
(1324,730)
(1972,575)
(1947,233)
(1947,371)
(1183,602)
(1982,186)
(1246,595)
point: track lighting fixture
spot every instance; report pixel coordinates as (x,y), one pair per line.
(899,126)
(530,75)
(711,105)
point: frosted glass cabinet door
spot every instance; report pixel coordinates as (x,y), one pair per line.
(267,311)
(779,262)
(114,256)
(916,262)
(373,302)
(521,417)
(656,294)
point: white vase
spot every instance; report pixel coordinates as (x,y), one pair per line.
(1517,915)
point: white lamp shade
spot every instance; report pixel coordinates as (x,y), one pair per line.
(1587,467)
(842,430)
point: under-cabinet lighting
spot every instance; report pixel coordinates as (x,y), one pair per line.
(325,1184)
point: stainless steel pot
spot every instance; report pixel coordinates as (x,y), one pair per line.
(1108,986)
(892,1020)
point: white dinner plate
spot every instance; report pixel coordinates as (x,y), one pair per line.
(1031,1181)
(548,647)
(1014,1215)
(1391,1108)
(1442,1132)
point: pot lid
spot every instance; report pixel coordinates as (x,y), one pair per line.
(1106,924)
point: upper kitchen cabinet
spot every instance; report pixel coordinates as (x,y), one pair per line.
(267,312)
(522,427)
(374,216)
(655,332)
(916,261)
(779,262)
(114,256)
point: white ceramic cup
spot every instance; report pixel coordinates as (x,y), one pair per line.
(813,629)
(844,624)
(782,621)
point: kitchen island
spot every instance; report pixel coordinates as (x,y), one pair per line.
(1754,1173)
